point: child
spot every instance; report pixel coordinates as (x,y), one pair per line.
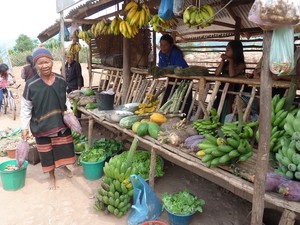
(6,80)
(232,117)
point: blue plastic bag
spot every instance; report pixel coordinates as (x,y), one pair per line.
(146,205)
(165,10)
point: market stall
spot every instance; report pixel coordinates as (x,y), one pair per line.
(203,89)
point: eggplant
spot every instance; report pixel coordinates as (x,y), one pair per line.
(290,190)
(191,139)
(273,180)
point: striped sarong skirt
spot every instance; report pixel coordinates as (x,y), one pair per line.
(56,151)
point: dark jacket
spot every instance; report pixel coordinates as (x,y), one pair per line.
(74,76)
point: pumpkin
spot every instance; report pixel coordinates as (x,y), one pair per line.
(158,118)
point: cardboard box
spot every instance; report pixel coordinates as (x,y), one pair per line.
(33,156)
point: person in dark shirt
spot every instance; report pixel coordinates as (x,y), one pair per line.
(74,76)
(171,56)
(29,70)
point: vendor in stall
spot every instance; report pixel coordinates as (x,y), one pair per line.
(171,56)
(232,65)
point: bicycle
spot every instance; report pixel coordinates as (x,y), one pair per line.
(8,101)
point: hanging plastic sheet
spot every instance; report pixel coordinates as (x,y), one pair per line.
(165,10)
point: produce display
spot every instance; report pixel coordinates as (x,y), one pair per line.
(192,142)
(137,14)
(192,71)
(208,126)
(116,190)
(148,107)
(202,17)
(182,203)
(159,24)
(289,154)
(79,140)
(232,147)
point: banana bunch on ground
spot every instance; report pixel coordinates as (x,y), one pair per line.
(85,36)
(137,14)
(233,147)
(278,118)
(208,126)
(203,16)
(74,48)
(149,106)
(116,190)
(127,30)
(159,24)
(115,25)
(101,27)
(289,154)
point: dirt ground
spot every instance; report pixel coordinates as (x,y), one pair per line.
(72,203)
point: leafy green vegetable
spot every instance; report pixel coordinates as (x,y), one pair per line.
(92,155)
(110,146)
(141,163)
(182,203)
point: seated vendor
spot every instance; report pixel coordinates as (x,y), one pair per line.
(232,117)
(171,56)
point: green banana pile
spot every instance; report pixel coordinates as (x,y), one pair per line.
(233,147)
(116,190)
(208,126)
(278,119)
(289,154)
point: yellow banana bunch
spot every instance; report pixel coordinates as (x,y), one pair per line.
(101,27)
(203,16)
(158,24)
(137,14)
(85,36)
(128,31)
(115,25)
(74,48)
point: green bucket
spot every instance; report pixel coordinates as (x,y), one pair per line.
(13,180)
(93,170)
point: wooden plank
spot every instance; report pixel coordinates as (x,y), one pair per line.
(223,97)
(288,218)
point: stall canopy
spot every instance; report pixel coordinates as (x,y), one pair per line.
(231,17)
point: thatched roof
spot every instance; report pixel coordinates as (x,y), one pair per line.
(230,14)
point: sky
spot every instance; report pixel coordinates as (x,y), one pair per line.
(29,17)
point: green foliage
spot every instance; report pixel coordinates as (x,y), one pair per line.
(24,43)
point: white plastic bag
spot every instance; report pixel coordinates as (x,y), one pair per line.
(254,16)
(178,7)
(282,51)
(284,12)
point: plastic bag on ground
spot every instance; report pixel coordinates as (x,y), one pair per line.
(146,205)
(22,152)
(282,51)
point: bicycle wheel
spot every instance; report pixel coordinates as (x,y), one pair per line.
(5,103)
(13,107)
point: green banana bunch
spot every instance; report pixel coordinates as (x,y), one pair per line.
(203,16)
(208,126)
(233,147)
(279,118)
(113,197)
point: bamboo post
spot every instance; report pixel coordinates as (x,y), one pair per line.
(264,130)
(126,68)
(152,168)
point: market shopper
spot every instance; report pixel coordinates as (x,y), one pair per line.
(28,70)
(74,76)
(42,107)
(171,56)
(6,80)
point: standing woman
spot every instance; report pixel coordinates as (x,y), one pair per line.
(171,56)
(43,105)
(29,70)
(73,74)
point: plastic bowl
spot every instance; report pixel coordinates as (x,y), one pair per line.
(116,115)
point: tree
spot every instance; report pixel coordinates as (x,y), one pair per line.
(24,43)
(52,44)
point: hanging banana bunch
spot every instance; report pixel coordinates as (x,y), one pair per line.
(74,48)
(127,30)
(101,27)
(85,36)
(202,16)
(137,14)
(115,25)
(159,24)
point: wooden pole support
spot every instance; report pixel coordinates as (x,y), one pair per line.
(152,168)
(287,218)
(90,130)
